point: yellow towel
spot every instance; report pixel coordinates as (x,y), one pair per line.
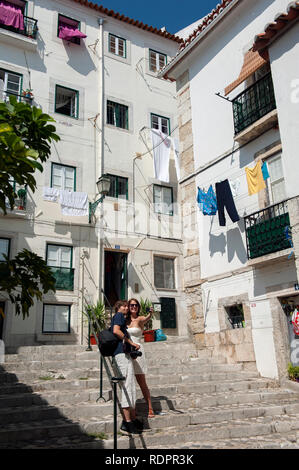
(255,179)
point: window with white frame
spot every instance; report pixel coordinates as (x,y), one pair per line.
(161,123)
(10,84)
(117,45)
(117,115)
(164,272)
(157,60)
(276,182)
(66,101)
(4,248)
(63,177)
(59,256)
(56,318)
(163,200)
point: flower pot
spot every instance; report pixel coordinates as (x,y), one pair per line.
(93,340)
(149,336)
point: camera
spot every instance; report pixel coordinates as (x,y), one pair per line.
(135,354)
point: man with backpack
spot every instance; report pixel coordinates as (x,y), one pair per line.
(124,361)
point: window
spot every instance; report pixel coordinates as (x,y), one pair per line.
(69,24)
(156,60)
(118,187)
(10,84)
(163,200)
(117,46)
(161,123)
(56,318)
(117,115)
(63,177)
(4,248)
(66,101)
(164,272)
(235,315)
(276,184)
(60,259)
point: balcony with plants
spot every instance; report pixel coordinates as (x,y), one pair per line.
(254,110)
(268,231)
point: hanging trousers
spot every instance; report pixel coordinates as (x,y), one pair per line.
(225,200)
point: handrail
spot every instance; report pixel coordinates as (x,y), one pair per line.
(114,380)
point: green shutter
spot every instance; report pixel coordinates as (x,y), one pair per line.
(168,312)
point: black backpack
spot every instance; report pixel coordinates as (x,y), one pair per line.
(107,342)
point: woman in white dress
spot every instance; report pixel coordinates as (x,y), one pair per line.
(135,325)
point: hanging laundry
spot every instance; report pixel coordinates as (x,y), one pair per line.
(68,33)
(255,179)
(225,199)
(175,143)
(207,201)
(11,15)
(162,145)
(295,321)
(235,187)
(265,171)
(51,194)
(73,203)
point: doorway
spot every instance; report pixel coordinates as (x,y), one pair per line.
(2,306)
(290,305)
(116,276)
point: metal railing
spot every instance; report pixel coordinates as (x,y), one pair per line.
(113,373)
(64,277)
(30,27)
(21,199)
(268,230)
(254,103)
(4,96)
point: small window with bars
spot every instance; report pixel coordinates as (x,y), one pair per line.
(117,115)
(160,123)
(157,60)
(163,200)
(235,316)
(56,318)
(63,177)
(66,101)
(164,272)
(118,187)
(117,45)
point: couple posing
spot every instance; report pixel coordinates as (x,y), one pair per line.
(128,326)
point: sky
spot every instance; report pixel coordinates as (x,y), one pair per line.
(172,14)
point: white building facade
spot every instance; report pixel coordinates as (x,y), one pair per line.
(237,83)
(101,88)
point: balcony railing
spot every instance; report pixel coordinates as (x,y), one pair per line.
(4,96)
(268,230)
(254,103)
(30,28)
(64,278)
(20,200)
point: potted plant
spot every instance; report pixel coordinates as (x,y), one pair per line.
(27,93)
(149,333)
(21,194)
(97,318)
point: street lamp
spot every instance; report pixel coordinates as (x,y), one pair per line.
(103,185)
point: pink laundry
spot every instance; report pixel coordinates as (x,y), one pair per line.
(11,15)
(70,33)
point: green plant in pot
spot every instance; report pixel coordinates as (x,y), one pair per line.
(96,315)
(293,372)
(145,305)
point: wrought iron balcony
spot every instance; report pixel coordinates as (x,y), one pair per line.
(254,103)
(20,200)
(30,28)
(25,98)
(64,278)
(268,230)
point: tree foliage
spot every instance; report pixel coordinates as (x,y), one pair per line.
(25,143)
(22,278)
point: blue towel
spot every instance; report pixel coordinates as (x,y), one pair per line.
(207,202)
(265,171)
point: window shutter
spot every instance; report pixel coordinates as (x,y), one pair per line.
(168,312)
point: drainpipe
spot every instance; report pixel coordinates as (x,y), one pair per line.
(101,165)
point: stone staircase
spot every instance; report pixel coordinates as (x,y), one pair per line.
(49,398)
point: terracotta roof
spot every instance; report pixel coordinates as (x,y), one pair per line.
(272,30)
(128,20)
(207,20)
(252,62)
